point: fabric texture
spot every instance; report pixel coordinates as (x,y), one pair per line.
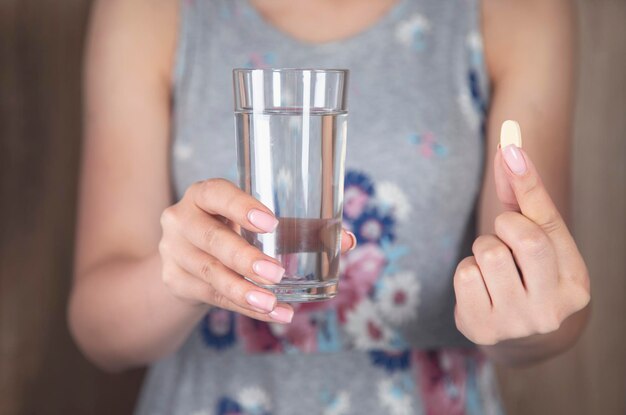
(387,344)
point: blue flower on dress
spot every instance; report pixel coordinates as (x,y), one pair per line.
(359,179)
(358,190)
(390,360)
(374,226)
(479,102)
(227,406)
(218,328)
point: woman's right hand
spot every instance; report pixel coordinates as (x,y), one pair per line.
(204,259)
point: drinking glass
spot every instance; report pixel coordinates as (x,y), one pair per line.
(291,127)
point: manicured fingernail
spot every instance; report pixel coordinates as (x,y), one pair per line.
(262,220)
(352,240)
(263,301)
(282,314)
(514,159)
(268,270)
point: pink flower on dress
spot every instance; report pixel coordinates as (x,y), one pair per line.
(256,336)
(442,379)
(362,268)
(302,333)
(354,201)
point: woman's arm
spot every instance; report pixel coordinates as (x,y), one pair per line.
(529,47)
(120,312)
(146,271)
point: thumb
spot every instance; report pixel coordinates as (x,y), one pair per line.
(519,185)
(510,134)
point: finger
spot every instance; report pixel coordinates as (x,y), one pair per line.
(221,197)
(348,241)
(220,241)
(188,286)
(498,269)
(470,289)
(513,166)
(532,250)
(224,281)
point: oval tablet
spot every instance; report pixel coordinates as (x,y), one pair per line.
(510,134)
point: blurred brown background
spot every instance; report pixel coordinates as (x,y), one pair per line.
(41,372)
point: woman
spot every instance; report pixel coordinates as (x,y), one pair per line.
(158,262)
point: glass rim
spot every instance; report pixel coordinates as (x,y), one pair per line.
(295,70)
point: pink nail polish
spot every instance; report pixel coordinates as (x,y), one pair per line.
(268,270)
(260,300)
(282,314)
(262,220)
(353,241)
(514,158)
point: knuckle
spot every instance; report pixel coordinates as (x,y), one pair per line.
(534,243)
(479,244)
(466,274)
(163,247)
(168,217)
(530,185)
(496,256)
(211,236)
(552,222)
(547,322)
(193,189)
(208,268)
(579,298)
(505,220)
(211,186)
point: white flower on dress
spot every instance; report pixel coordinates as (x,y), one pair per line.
(394,399)
(468,110)
(254,399)
(398,297)
(474,41)
(278,330)
(393,197)
(366,328)
(182,151)
(340,405)
(411,31)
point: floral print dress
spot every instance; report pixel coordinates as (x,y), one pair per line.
(387,344)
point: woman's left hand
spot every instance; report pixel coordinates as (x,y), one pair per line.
(528,277)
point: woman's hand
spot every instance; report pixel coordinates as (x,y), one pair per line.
(204,258)
(528,277)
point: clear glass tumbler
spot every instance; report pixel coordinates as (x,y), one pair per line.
(291,141)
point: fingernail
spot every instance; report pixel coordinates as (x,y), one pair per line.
(353,241)
(514,159)
(262,220)
(263,301)
(268,270)
(282,314)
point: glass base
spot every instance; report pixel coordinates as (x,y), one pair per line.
(304,292)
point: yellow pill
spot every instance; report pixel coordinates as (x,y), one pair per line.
(510,134)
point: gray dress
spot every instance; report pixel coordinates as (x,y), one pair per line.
(388,343)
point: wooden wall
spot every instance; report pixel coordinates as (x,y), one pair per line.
(591,378)
(41,371)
